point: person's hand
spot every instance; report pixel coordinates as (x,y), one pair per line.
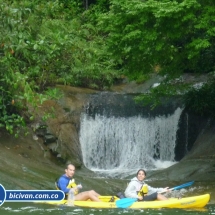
(140,198)
(166,189)
(75,189)
(79,186)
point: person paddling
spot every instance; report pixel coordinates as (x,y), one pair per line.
(137,188)
(67,185)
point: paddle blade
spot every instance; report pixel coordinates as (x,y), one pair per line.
(183,185)
(125,203)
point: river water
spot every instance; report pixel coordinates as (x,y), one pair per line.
(199,188)
(23,208)
(43,209)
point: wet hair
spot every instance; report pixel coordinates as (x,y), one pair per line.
(140,171)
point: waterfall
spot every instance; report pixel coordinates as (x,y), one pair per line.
(126,143)
(187,132)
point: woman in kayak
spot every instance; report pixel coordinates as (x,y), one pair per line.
(68,186)
(137,188)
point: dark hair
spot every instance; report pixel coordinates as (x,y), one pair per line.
(67,165)
(140,171)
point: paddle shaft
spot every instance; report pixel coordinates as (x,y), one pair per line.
(166,191)
(179,187)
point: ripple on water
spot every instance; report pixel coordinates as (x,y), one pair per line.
(42,209)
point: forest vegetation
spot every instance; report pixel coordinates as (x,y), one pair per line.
(98,43)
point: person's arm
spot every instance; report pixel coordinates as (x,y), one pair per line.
(153,190)
(130,191)
(62,184)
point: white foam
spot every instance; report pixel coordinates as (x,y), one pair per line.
(118,144)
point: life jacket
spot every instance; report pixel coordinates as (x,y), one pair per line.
(70,185)
(143,191)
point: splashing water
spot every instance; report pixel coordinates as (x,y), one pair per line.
(120,144)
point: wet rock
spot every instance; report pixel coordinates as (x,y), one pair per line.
(49,138)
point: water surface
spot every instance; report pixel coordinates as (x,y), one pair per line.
(43,209)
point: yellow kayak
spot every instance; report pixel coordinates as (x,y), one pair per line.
(110,202)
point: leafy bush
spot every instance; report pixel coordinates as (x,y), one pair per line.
(44,43)
(177,36)
(49,42)
(201,100)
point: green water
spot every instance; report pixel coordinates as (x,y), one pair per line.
(199,188)
(42,209)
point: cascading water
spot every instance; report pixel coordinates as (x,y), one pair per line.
(111,142)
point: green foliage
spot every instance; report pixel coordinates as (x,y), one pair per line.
(177,36)
(165,90)
(49,42)
(165,37)
(50,49)
(200,100)
(100,6)
(16,97)
(44,43)
(9,117)
(53,93)
(74,5)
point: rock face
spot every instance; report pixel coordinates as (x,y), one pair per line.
(60,137)
(199,163)
(201,158)
(27,164)
(60,134)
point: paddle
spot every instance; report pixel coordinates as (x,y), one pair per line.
(183,185)
(180,186)
(127,202)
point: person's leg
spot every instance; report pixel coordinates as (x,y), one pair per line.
(154,196)
(161,197)
(92,195)
(150,197)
